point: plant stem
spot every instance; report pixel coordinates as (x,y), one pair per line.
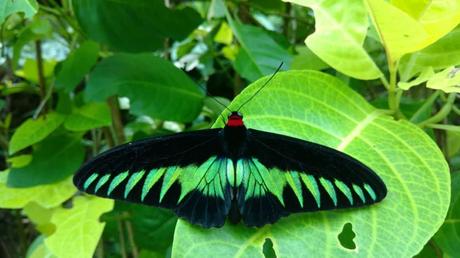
(436,248)
(443,112)
(132,243)
(121,234)
(393,101)
(116,120)
(108,136)
(428,103)
(41,76)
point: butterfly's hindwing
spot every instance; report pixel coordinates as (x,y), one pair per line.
(186,173)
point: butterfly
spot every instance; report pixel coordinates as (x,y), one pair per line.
(234,172)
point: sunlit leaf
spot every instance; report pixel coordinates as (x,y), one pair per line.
(447,80)
(340,30)
(317,107)
(442,54)
(78,228)
(406,29)
(48,196)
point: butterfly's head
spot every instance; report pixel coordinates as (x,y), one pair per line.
(235,119)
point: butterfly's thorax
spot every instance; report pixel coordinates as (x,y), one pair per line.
(234,141)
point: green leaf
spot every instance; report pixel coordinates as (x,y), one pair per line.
(453,142)
(30,70)
(54,159)
(41,217)
(259,54)
(154,86)
(403,28)
(447,80)
(448,236)
(90,116)
(7,7)
(135,25)
(424,76)
(152,228)
(38,249)
(318,107)
(307,60)
(77,65)
(47,196)
(33,131)
(442,54)
(339,37)
(78,229)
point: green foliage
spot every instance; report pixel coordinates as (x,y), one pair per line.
(154,86)
(78,229)
(7,7)
(34,130)
(79,77)
(355,127)
(339,37)
(77,65)
(135,25)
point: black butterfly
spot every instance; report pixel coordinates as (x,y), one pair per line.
(206,176)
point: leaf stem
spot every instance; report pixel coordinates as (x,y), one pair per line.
(122,239)
(443,112)
(428,103)
(393,100)
(40,70)
(132,243)
(116,120)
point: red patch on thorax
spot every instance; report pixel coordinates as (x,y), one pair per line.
(234,121)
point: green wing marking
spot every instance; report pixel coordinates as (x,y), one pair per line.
(102,182)
(133,180)
(116,181)
(153,177)
(90,180)
(258,181)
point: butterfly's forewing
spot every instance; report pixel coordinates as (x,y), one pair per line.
(186,172)
(281,175)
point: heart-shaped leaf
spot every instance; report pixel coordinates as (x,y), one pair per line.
(317,107)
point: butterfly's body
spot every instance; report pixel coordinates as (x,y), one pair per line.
(233,172)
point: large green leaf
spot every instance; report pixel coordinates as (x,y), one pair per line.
(7,7)
(33,131)
(78,229)
(77,65)
(154,86)
(48,196)
(260,54)
(89,116)
(403,28)
(135,25)
(318,107)
(448,236)
(442,54)
(54,159)
(340,30)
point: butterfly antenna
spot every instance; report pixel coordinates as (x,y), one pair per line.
(265,84)
(216,100)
